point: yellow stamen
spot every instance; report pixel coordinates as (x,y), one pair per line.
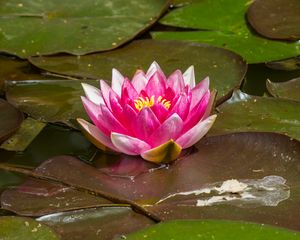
(141,102)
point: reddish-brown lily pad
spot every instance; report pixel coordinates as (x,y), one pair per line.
(102,223)
(276,19)
(288,90)
(266,162)
(10,120)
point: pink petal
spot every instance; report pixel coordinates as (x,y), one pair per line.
(128,119)
(154,67)
(160,111)
(109,121)
(97,134)
(129,145)
(93,112)
(139,81)
(105,89)
(181,107)
(167,131)
(145,123)
(189,77)
(117,81)
(156,85)
(197,112)
(196,133)
(92,93)
(199,91)
(129,91)
(116,107)
(176,82)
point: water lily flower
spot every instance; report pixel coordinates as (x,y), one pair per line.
(152,115)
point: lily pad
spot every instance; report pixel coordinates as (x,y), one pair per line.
(171,55)
(288,90)
(275,19)
(36,198)
(245,113)
(48,100)
(268,167)
(73,26)
(102,223)
(289,64)
(10,120)
(52,140)
(210,229)
(225,26)
(28,130)
(25,229)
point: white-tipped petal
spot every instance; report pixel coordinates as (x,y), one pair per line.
(193,135)
(128,144)
(92,93)
(189,77)
(154,67)
(117,81)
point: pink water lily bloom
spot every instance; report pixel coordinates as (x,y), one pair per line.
(151,115)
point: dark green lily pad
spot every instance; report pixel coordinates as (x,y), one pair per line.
(25,229)
(52,141)
(73,26)
(258,74)
(9,179)
(269,160)
(276,19)
(36,198)
(171,55)
(10,120)
(225,26)
(28,130)
(217,230)
(288,90)
(245,113)
(48,100)
(91,224)
(287,64)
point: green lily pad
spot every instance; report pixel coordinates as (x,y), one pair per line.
(287,64)
(73,26)
(51,141)
(245,113)
(10,120)
(102,223)
(225,26)
(211,229)
(48,100)
(276,19)
(25,229)
(268,167)
(9,179)
(28,130)
(171,55)
(288,90)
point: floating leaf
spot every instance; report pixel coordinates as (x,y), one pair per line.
(288,90)
(36,198)
(245,113)
(28,130)
(211,229)
(73,26)
(102,223)
(52,141)
(171,55)
(225,26)
(276,19)
(25,229)
(267,165)
(48,100)
(287,64)
(10,120)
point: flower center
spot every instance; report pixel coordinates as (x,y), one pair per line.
(141,102)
